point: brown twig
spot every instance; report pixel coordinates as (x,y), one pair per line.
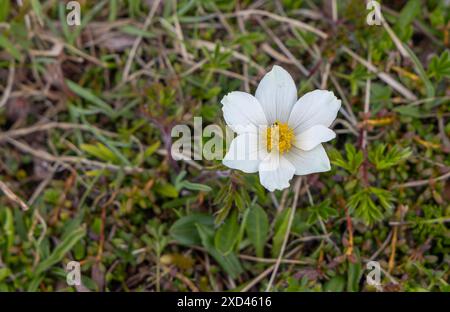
(397,86)
(13,197)
(102,226)
(297,185)
(290,21)
(349,223)
(65,160)
(267,271)
(138,40)
(423,182)
(393,249)
(9,84)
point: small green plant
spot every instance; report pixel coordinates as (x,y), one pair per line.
(439,67)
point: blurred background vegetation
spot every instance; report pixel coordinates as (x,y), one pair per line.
(86,114)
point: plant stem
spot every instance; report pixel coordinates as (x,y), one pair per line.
(297,185)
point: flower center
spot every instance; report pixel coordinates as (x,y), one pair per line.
(279,136)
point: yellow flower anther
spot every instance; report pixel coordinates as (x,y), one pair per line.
(279,136)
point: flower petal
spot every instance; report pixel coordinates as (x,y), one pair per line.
(312,137)
(275,172)
(318,107)
(277,94)
(307,162)
(245,153)
(241,110)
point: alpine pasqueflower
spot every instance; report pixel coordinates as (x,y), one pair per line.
(278,135)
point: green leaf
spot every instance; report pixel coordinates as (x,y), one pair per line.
(335,284)
(151,149)
(421,72)
(230,263)
(60,251)
(9,47)
(225,198)
(384,158)
(180,184)
(257,228)
(87,95)
(440,66)
(131,30)
(363,205)
(226,236)
(380,97)
(195,186)
(353,276)
(321,211)
(409,110)
(100,151)
(4,10)
(184,230)
(437,17)
(241,232)
(37,8)
(8,228)
(280,231)
(409,13)
(166,190)
(112,10)
(353,161)
(4,273)
(34,284)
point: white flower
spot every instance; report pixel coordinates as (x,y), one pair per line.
(278,135)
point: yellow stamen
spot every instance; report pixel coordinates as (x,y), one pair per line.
(279,136)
